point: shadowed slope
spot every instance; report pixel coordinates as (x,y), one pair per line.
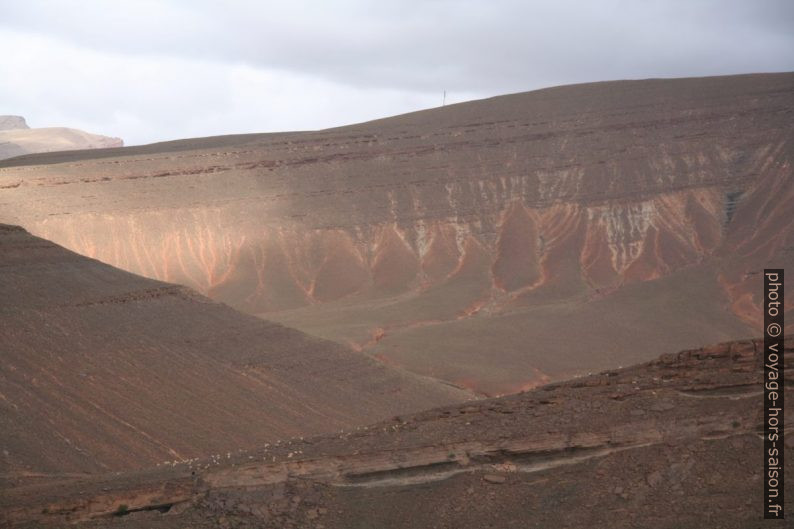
(104,370)
(394,235)
(671,443)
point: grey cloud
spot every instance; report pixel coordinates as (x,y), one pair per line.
(486,46)
(411,49)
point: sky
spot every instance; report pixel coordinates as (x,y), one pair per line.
(147,70)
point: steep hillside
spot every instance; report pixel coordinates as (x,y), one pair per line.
(104,370)
(495,244)
(671,443)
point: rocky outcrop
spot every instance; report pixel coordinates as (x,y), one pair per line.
(498,220)
(13,122)
(664,443)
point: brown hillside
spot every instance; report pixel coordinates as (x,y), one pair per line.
(671,443)
(104,370)
(496,244)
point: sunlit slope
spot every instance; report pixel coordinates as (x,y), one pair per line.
(645,198)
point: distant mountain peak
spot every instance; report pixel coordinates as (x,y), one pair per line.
(13,123)
(17,139)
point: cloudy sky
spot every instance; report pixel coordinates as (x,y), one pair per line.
(148,70)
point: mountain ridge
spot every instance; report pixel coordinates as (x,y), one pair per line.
(479,219)
(18,139)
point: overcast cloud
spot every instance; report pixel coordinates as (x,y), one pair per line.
(154,70)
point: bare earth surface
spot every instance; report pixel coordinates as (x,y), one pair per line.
(497,244)
(102,370)
(670,443)
(17,139)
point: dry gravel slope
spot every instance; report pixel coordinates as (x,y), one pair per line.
(104,370)
(671,443)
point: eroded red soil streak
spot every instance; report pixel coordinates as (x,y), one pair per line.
(104,370)
(560,195)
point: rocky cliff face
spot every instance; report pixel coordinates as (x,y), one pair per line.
(13,122)
(642,210)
